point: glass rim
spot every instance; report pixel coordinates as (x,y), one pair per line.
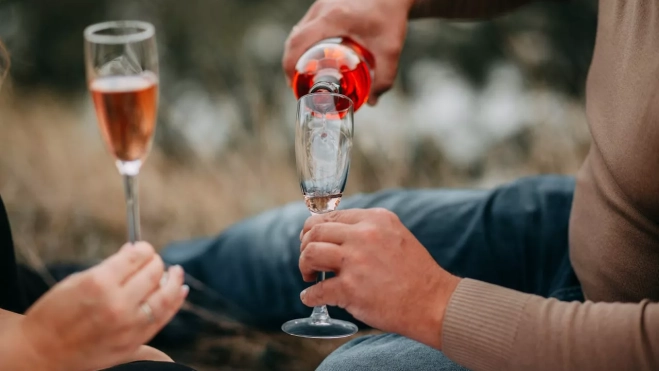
(338,95)
(351,104)
(145,31)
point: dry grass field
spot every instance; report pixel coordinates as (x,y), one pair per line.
(65,197)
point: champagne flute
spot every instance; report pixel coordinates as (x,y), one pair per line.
(122,75)
(323,140)
(121,61)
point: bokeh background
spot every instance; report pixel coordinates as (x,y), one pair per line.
(476,104)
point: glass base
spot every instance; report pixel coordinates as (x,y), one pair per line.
(319,329)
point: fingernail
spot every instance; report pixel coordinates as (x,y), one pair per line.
(301,234)
(177,270)
(302,294)
(185,289)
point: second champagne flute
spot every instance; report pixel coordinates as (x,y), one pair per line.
(323,141)
(121,62)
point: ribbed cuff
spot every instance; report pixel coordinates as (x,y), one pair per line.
(480,325)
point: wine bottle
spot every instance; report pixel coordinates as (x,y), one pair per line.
(336,65)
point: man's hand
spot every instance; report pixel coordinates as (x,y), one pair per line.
(378,25)
(384,276)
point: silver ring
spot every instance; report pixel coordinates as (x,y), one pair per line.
(146,308)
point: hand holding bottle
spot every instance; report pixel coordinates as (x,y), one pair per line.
(379,26)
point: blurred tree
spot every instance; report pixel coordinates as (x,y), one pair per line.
(203,40)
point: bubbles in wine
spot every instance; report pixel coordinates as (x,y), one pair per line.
(327,154)
(126,110)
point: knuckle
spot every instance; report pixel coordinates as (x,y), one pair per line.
(392,50)
(114,313)
(319,292)
(134,256)
(293,42)
(308,257)
(334,216)
(93,284)
(164,301)
(158,269)
(311,251)
(338,12)
(370,231)
(160,263)
(154,276)
(385,214)
(315,233)
(384,84)
(347,286)
(303,262)
(125,341)
(380,212)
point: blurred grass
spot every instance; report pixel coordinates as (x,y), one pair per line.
(65,197)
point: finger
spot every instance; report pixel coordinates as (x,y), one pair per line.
(330,232)
(350,216)
(144,282)
(146,353)
(383,79)
(301,40)
(288,60)
(326,292)
(166,301)
(311,14)
(320,257)
(126,262)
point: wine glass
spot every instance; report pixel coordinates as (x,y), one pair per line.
(323,140)
(121,62)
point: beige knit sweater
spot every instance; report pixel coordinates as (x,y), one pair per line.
(614,227)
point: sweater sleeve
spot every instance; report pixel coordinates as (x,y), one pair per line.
(466,9)
(488,328)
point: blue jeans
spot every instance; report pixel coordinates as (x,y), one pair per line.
(515,236)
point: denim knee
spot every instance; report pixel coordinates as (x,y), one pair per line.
(388,352)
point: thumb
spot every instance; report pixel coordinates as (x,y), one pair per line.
(326,292)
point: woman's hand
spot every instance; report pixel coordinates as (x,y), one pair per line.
(101,317)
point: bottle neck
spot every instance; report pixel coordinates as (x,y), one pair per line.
(325,86)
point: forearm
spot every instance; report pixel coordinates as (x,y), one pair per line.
(491,328)
(463,9)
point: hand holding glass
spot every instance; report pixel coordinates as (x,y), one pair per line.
(122,75)
(323,140)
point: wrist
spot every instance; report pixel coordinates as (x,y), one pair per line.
(16,352)
(30,351)
(450,286)
(430,331)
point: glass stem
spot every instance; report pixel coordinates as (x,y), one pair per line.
(132,208)
(320,315)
